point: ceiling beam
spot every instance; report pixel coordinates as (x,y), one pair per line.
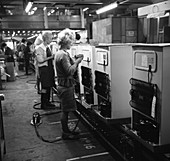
(147,3)
(70,1)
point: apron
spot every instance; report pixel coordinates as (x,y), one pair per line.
(47,76)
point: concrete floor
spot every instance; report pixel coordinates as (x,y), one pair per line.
(22,143)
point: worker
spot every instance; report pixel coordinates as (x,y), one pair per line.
(37,42)
(20,51)
(27,56)
(65,69)
(46,69)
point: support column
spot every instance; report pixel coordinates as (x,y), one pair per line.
(45,18)
(82,18)
(0,30)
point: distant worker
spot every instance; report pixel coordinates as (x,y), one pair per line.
(37,42)
(7,52)
(27,56)
(8,55)
(21,49)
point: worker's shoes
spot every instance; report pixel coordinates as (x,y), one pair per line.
(69,136)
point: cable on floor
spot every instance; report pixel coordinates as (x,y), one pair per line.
(36,121)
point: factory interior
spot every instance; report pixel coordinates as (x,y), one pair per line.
(121,89)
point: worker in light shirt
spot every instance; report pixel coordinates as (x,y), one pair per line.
(45,58)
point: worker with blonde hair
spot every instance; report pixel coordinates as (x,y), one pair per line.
(65,69)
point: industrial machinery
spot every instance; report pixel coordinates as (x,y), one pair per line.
(87,75)
(116,76)
(77,76)
(113,70)
(150,93)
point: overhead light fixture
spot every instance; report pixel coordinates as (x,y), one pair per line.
(85,9)
(107,8)
(52,11)
(35,8)
(28,7)
(31,37)
(49,13)
(32,11)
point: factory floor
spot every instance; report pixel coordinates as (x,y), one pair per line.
(21,141)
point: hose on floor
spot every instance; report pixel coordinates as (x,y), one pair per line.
(36,121)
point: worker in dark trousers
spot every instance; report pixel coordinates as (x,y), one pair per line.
(46,69)
(21,49)
(27,55)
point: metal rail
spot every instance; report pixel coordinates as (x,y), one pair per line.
(121,146)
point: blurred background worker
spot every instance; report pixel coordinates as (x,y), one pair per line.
(37,42)
(46,69)
(21,47)
(27,56)
(65,69)
(8,54)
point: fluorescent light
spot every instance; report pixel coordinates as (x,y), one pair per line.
(31,12)
(52,11)
(85,9)
(107,8)
(35,8)
(32,36)
(28,7)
